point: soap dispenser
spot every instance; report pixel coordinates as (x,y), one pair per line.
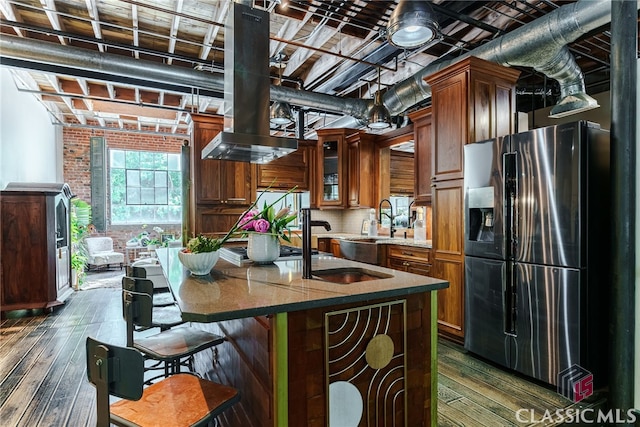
(419,227)
(372,231)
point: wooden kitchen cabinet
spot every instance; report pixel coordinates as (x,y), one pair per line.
(289,171)
(361,148)
(220,189)
(324,244)
(411,259)
(422,154)
(335,248)
(331,168)
(448,254)
(329,245)
(217,181)
(471,100)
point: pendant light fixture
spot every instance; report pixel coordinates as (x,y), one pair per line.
(412,24)
(280,111)
(379,116)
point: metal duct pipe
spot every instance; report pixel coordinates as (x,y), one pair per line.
(349,106)
(83,59)
(540,44)
(40,52)
(342,122)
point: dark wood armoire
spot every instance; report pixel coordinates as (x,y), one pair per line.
(35,250)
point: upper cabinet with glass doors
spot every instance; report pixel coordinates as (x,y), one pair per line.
(331,173)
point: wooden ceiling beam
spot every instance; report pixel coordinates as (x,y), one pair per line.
(173,31)
(50,10)
(11,14)
(92,8)
(135,25)
(219,13)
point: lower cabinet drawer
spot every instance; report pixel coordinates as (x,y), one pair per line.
(409,266)
(421,254)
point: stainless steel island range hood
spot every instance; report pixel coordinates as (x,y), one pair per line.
(246,136)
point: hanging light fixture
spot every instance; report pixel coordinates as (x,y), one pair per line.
(280,111)
(379,116)
(412,24)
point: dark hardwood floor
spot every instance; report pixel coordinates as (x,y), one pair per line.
(43,374)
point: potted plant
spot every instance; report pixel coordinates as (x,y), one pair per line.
(265,228)
(80,217)
(200,255)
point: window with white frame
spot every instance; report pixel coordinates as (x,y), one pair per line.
(146,187)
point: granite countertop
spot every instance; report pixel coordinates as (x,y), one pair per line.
(232,292)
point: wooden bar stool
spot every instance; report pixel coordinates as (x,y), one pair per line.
(177,401)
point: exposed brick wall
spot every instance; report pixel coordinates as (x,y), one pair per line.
(77,174)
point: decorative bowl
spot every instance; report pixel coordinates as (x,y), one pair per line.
(200,264)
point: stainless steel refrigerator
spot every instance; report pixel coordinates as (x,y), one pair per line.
(536,248)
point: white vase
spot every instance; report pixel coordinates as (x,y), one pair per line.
(263,248)
(200,264)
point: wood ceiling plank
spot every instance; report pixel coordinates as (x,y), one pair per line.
(98,90)
(132,110)
(10,13)
(72,86)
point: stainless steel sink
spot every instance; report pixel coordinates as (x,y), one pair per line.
(361,250)
(348,275)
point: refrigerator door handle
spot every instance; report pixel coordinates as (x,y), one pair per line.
(510,301)
(510,191)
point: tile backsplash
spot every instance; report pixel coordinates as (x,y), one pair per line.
(342,221)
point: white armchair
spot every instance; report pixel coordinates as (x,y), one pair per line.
(101,254)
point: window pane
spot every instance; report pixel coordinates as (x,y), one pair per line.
(142,189)
(117,159)
(161,196)
(161,179)
(133,195)
(132,160)
(173,161)
(146,160)
(160,161)
(133,178)
(147,179)
(147,196)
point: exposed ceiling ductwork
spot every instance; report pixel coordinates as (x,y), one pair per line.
(540,44)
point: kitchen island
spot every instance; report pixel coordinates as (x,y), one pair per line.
(291,342)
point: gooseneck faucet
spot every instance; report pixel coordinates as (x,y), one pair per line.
(411,218)
(307,223)
(391,229)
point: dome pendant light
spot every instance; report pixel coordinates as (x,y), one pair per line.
(280,111)
(379,116)
(412,24)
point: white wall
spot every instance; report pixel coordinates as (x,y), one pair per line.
(30,146)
